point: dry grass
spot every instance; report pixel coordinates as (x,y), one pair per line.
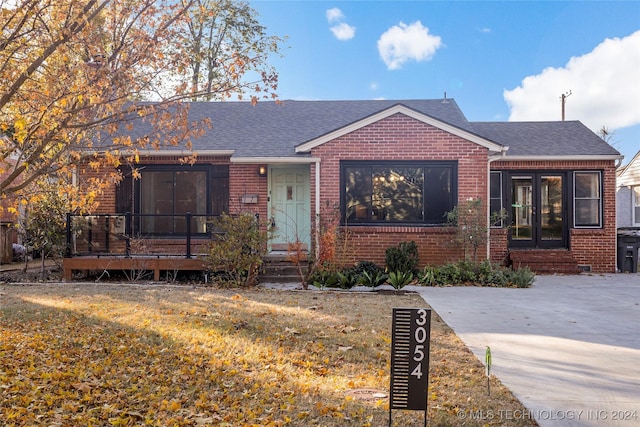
(121,355)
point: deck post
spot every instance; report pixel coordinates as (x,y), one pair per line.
(107,233)
(127,233)
(68,231)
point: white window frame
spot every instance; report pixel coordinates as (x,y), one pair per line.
(635,205)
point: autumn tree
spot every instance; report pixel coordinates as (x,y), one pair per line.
(223,41)
(74,73)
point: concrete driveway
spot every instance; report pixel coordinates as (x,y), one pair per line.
(568,347)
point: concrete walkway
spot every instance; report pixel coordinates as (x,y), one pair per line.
(568,347)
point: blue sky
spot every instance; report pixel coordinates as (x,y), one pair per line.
(500,60)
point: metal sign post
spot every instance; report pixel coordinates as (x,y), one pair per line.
(411,334)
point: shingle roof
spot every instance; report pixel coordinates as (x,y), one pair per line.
(270,129)
(569,138)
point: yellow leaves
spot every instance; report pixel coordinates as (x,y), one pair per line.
(84,387)
(20,131)
(141,355)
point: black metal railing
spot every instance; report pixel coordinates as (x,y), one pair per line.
(131,234)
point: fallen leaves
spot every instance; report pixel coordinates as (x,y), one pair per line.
(143,356)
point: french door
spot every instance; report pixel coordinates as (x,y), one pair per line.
(538,210)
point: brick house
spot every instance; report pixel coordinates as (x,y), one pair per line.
(390,170)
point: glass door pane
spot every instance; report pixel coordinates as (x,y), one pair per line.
(551,208)
(522,208)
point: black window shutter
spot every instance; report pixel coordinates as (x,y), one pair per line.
(124,192)
(219,189)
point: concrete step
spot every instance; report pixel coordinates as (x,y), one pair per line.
(278,268)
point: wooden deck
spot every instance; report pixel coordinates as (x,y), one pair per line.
(147,263)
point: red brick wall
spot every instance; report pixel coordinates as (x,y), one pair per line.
(590,247)
(243,180)
(401,138)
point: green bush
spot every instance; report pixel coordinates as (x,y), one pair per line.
(484,274)
(402,258)
(520,278)
(367,267)
(235,256)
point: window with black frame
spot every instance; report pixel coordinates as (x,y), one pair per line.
(164,194)
(495,199)
(397,192)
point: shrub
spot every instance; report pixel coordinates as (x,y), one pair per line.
(235,256)
(485,274)
(427,277)
(520,278)
(367,267)
(470,220)
(402,258)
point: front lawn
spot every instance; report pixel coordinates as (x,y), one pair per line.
(125,355)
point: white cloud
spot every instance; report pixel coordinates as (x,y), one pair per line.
(334,15)
(343,31)
(605,86)
(402,43)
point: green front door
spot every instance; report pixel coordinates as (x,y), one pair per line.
(290,207)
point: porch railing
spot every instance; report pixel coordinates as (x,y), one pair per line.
(137,234)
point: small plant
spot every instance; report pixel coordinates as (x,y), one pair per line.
(400,279)
(521,278)
(427,276)
(403,258)
(324,279)
(373,279)
(347,279)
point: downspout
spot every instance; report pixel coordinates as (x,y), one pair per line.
(491,159)
(317,208)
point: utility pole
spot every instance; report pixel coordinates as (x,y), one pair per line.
(563,99)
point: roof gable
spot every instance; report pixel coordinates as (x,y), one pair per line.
(630,173)
(390,111)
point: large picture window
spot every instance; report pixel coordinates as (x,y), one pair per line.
(587,199)
(397,192)
(163,194)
